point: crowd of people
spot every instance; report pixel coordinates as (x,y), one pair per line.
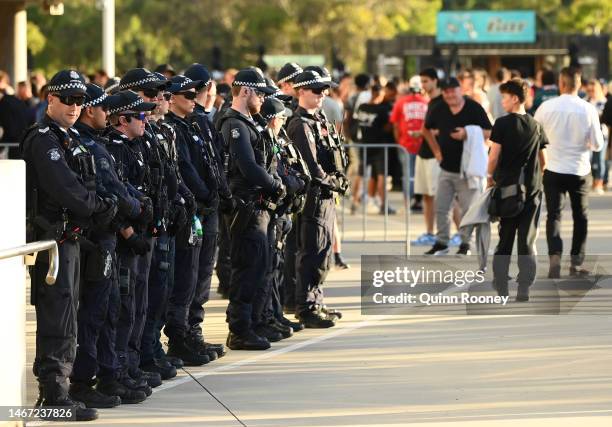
(151,182)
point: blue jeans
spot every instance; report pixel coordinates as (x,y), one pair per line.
(407,179)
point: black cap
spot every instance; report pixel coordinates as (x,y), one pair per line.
(253,78)
(67,82)
(310,80)
(449,83)
(277,92)
(273,107)
(128,101)
(112,86)
(141,78)
(181,83)
(324,73)
(288,72)
(198,72)
(165,68)
(95,97)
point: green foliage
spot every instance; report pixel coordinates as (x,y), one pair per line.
(185,31)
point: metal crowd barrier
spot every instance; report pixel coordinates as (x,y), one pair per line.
(363,149)
(30,250)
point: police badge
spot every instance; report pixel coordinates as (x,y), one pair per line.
(235,133)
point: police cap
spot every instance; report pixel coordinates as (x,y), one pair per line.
(95,96)
(127,101)
(141,78)
(67,82)
(310,80)
(251,77)
(273,107)
(288,72)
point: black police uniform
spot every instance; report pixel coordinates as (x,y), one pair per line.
(315,224)
(251,183)
(61,201)
(211,141)
(131,168)
(100,301)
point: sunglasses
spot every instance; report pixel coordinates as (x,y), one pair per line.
(138,116)
(318,91)
(188,95)
(167,96)
(150,93)
(70,99)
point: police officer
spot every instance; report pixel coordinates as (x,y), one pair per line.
(315,225)
(254,186)
(153,358)
(147,85)
(62,201)
(294,174)
(226,204)
(193,166)
(210,148)
(99,297)
(127,115)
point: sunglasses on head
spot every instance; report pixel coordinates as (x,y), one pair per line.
(167,96)
(318,91)
(138,116)
(70,99)
(188,95)
(150,93)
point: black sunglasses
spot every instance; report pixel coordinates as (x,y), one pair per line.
(70,99)
(188,95)
(138,116)
(167,96)
(150,93)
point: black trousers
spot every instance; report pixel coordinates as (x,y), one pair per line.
(289,282)
(97,320)
(523,228)
(250,254)
(201,294)
(56,320)
(223,267)
(127,263)
(141,302)
(281,228)
(314,251)
(556,187)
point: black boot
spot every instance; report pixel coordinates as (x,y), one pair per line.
(178,347)
(151,378)
(268,332)
(523,294)
(112,387)
(161,367)
(313,319)
(174,361)
(213,351)
(91,398)
(296,326)
(136,385)
(54,395)
(339,262)
(285,331)
(248,341)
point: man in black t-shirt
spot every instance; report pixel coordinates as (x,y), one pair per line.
(450,118)
(518,149)
(373,119)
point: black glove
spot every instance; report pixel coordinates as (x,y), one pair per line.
(179,218)
(105,212)
(146,213)
(227,205)
(343,183)
(138,244)
(124,207)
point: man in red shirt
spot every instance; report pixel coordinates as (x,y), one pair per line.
(408,116)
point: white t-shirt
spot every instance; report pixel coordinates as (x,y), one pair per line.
(572,127)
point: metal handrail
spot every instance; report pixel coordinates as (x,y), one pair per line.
(364,147)
(34,248)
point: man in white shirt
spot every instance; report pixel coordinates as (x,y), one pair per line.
(572,127)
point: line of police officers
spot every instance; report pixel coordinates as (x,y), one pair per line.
(141,191)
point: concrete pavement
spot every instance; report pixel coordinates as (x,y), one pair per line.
(392,370)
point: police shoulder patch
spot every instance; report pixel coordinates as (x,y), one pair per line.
(54,154)
(235,133)
(104,164)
